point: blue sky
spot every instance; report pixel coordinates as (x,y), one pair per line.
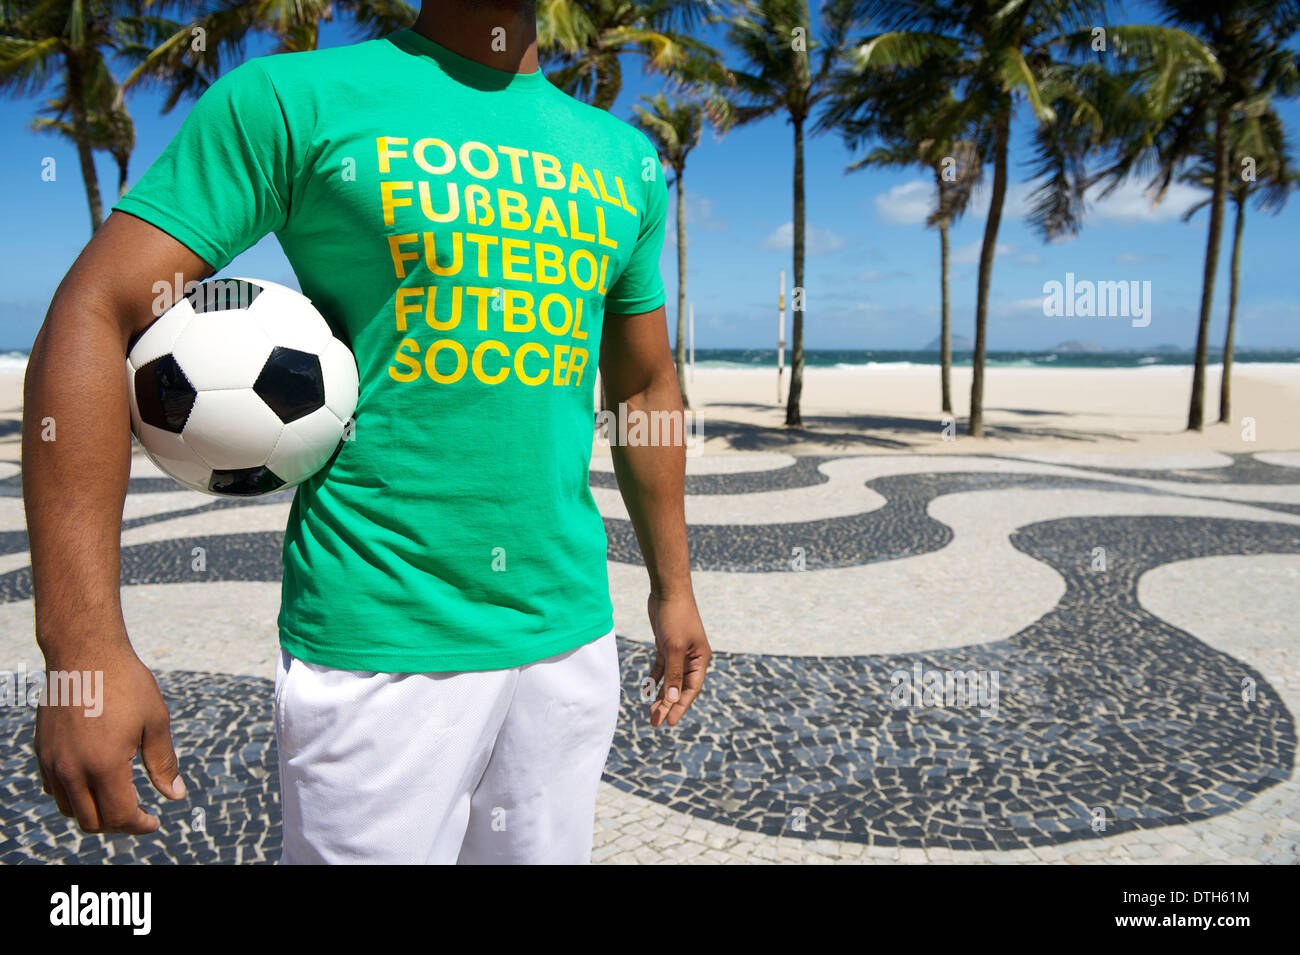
(872,266)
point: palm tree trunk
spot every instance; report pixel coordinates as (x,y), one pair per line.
(793,418)
(945,321)
(1196,412)
(1225,386)
(1001,134)
(81,135)
(122,163)
(681,290)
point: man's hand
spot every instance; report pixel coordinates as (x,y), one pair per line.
(86,761)
(682,655)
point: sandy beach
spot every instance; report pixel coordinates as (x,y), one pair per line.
(895,409)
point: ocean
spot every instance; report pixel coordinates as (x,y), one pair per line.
(862,359)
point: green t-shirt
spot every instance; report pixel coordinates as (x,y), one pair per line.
(465,231)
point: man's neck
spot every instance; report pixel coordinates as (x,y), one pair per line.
(501,34)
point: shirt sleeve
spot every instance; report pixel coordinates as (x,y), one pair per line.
(640,287)
(223,181)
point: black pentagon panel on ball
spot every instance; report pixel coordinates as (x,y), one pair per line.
(163,394)
(291,383)
(245,482)
(216,295)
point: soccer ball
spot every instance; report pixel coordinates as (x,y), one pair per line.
(240,388)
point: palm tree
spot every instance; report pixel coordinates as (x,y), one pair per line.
(881,105)
(111,129)
(1249,41)
(71,42)
(779,75)
(582,42)
(1259,157)
(185,67)
(675,130)
(997,55)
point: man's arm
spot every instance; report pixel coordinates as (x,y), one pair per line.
(637,369)
(74,487)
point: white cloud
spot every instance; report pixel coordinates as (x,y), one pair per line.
(816,241)
(701,213)
(1131,203)
(1139,258)
(970,254)
(1015,204)
(911,202)
(906,204)
(701,216)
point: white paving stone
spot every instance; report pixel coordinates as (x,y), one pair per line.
(915,603)
(1284,459)
(223,627)
(843,496)
(736,463)
(1148,460)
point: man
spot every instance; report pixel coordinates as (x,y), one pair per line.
(448,682)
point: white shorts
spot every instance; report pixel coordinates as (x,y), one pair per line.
(492,766)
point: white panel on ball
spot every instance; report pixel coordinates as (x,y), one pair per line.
(131,400)
(289,319)
(223,349)
(159,337)
(340,371)
(175,457)
(305,446)
(232,429)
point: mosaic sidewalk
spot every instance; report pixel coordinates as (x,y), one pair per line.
(1136,611)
